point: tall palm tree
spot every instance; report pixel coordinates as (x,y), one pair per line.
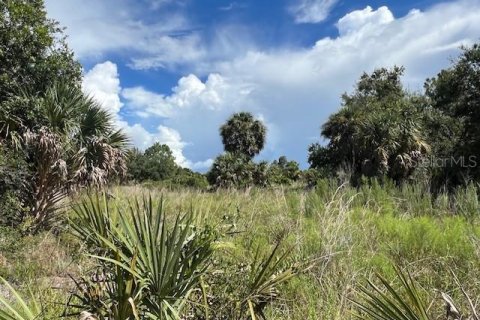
(243,134)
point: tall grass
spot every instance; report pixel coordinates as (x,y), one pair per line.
(349,232)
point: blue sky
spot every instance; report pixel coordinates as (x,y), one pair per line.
(173,71)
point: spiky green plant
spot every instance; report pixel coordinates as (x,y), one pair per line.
(390,303)
(93,220)
(265,277)
(243,289)
(161,261)
(19,308)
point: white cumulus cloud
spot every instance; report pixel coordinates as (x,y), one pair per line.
(103,84)
(97,28)
(359,19)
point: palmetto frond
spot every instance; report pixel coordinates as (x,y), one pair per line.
(94,120)
(265,277)
(389,303)
(19,308)
(61,106)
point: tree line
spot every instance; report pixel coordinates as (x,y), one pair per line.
(383,131)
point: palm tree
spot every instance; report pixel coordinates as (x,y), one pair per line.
(243,134)
(76,146)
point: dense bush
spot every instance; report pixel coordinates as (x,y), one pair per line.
(377,131)
(282,171)
(231,170)
(156,163)
(156,167)
(13,187)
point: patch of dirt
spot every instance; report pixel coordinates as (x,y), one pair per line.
(61,283)
(5,293)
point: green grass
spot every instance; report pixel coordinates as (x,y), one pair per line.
(350,233)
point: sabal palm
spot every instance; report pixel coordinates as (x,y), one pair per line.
(243,134)
(76,146)
(88,127)
(379,138)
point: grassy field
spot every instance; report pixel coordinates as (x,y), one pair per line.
(345,234)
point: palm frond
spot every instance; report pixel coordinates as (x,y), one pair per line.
(266,276)
(388,303)
(95,121)
(61,105)
(19,309)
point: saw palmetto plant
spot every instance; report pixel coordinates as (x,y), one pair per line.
(153,264)
(242,289)
(386,302)
(265,277)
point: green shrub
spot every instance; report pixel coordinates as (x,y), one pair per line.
(283,172)
(151,266)
(230,170)
(156,163)
(428,236)
(14,175)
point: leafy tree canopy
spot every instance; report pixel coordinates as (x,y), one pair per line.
(156,163)
(377,131)
(33,56)
(282,171)
(454,95)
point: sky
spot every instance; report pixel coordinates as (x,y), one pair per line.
(172,71)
